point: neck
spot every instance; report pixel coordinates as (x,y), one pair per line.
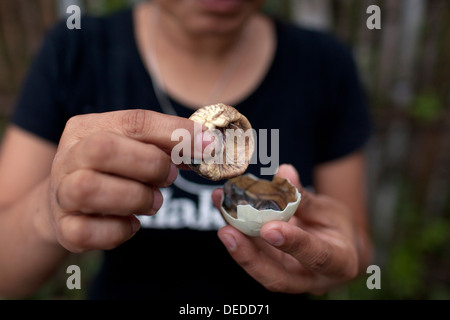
(204,46)
(199,69)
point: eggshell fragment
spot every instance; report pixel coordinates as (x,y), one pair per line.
(249,219)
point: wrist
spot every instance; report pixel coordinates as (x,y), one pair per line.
(40,209)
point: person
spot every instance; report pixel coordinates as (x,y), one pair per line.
(85,161)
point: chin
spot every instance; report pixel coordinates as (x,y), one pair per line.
(216,25)
(211,16)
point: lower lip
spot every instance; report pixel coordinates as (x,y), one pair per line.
(221,6)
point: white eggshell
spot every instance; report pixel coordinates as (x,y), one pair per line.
(250,220)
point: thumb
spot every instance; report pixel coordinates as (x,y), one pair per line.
(288,171)
(216,197)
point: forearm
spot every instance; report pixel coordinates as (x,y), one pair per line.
(29,252)
(345,180)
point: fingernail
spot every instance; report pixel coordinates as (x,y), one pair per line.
(198,149)
(284,166)
(229,241)
(291,167)
(276,170)
(135,225)
(173,173)
(208,137)
(274,237)
(157,200)
(203,139)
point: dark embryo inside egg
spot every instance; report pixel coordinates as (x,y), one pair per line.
(260,194)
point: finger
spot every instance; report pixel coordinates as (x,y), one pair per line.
(312,252)
(289,172)
(183,166)
(112,153)
(216,197)
(286,171)
(90,192)
(143,125)
(80,233)
(258,264)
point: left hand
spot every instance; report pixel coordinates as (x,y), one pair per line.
(313,252)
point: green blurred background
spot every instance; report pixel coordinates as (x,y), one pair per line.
(406,72)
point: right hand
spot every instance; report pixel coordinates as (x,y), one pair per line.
(107,168)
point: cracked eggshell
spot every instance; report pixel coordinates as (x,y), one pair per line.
(250,220)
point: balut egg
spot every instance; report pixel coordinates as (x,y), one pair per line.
(235,142)
(248,202)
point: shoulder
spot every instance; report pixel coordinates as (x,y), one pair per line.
(90,22)
(73,50)
(94,31)
(302,37)
(316,46)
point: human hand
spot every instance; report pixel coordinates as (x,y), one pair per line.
(314,251)
(109,167)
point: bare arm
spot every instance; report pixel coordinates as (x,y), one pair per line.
(25,161)
(27,258)
(82,195)
(345,180)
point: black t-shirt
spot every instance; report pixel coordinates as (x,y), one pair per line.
(311,94)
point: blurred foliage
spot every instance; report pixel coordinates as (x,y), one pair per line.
(420,239)
(427,107)
(103,7)
(3,122)
(277,8)
(409,273)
